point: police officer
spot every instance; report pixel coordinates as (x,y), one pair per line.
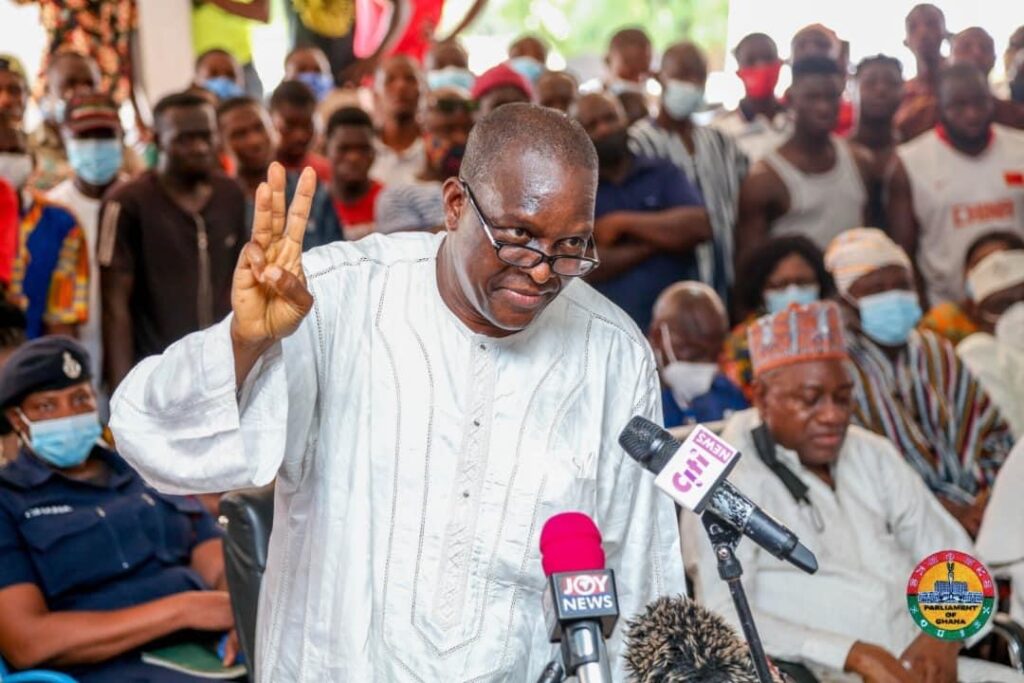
(94,565)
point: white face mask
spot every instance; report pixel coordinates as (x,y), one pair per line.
(1010,326)
(681,99)
(15,168)
(686,380)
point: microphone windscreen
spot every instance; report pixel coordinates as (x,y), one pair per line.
(675,640)
(648,443)
(638,437)
(570,542)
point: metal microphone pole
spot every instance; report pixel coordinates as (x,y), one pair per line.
(724,539)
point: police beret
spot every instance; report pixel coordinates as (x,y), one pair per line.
(43,364)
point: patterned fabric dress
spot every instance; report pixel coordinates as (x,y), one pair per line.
(933,409)
(98,28)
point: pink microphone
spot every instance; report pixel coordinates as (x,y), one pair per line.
(580,606)
(570,542)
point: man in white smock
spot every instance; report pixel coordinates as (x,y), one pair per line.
(425,403)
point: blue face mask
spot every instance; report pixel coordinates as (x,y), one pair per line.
(64,441)
(889,317)
(95,161)
(681,99)
(776,300)
(223,87)
(320,83)
(527,67)
(451,77)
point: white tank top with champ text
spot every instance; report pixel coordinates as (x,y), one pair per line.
(958,198)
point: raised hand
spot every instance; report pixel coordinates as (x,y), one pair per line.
(268,294)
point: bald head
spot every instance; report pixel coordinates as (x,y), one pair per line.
(975,46)
(556,90)
(689,318)
(447,53)
(685,62)
(528,46)
(528,179)
(517,131)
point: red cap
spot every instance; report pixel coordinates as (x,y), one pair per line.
(498,77)
(570,542)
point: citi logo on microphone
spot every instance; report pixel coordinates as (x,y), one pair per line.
(691,474)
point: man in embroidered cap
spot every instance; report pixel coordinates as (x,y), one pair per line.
(909,385)
(851,498)
(94,564)
(996,354)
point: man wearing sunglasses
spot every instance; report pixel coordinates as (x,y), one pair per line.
(447,119)
(425,402)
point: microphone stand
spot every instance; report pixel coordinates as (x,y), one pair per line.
(723,540)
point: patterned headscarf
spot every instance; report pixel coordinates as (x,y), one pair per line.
(859,251)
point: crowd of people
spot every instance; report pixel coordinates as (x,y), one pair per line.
(833,278)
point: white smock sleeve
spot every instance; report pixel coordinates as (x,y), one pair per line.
(179,419)
(637,521)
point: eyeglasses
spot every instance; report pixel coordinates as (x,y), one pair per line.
(572,264)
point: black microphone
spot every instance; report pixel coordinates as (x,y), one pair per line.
(695,482)
(675,639)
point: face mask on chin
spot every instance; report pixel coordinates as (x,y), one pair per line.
(223,87)
(612,148)
(320,83)
(63,442)
(776,300)
(759,81)
(889,317)
(443,156)
(681,99)
(95,161)
(686,380)
(15,168)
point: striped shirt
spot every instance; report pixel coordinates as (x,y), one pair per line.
(716,168)
(417,206)
(931,406)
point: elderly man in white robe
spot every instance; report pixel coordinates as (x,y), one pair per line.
(426,403)
(995,355)
(1001,539)
(867,516)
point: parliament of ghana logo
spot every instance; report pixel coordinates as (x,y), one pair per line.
(950,595)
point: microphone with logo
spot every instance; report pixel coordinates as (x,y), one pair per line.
(694,475)
(580,605)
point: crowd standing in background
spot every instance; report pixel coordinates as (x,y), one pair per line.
(883,214)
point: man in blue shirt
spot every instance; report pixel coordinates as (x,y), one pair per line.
(649,216)
(94,565)
(687,334)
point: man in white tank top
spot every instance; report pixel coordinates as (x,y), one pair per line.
(956,182)
(814,183)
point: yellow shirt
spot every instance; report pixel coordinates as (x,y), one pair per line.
(213,28)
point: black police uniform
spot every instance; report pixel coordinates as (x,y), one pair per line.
(92,546)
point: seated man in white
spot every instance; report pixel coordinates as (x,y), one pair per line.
(867,516)
(1001,538)
(995,355)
